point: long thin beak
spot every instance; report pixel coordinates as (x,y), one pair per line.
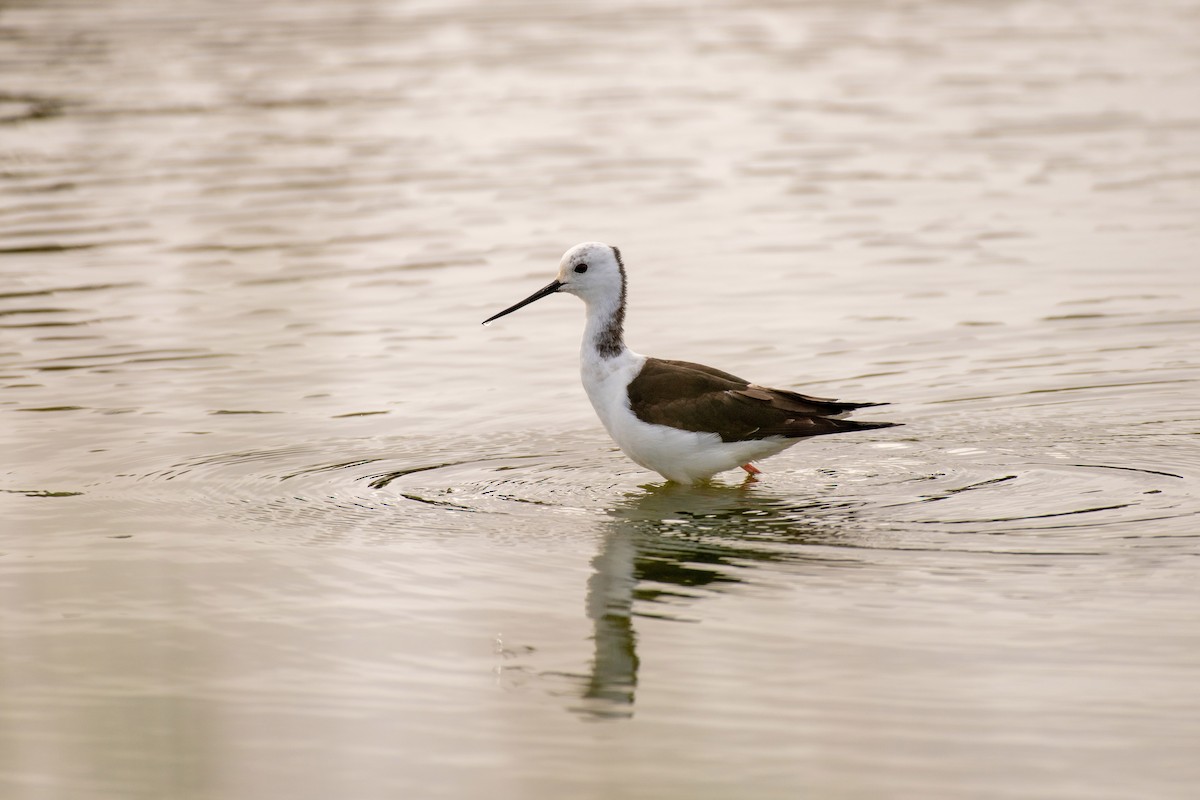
(538,295)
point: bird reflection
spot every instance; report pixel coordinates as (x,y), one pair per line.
(611,589)
(666,547)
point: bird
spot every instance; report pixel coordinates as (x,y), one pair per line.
(685,421)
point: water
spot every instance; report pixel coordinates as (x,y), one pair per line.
(281,518)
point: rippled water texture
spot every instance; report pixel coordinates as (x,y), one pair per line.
(279,518)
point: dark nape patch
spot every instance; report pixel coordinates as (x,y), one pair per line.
(611,341)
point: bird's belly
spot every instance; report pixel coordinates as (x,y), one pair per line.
(685,456)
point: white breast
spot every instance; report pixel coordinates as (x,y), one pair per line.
(605,380)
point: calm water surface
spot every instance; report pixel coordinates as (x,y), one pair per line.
(279,518)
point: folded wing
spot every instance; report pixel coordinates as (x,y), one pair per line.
(694,397)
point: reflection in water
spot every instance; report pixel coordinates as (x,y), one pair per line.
(610,595)
(664,543)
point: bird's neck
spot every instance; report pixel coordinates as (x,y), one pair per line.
(604,335)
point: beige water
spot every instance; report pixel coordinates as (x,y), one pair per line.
(279,518)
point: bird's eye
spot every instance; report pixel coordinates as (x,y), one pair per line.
(581,267)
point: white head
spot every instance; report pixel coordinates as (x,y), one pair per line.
(591,271)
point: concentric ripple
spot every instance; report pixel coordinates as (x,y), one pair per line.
(871,492)
(414,484)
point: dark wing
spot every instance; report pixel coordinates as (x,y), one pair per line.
(699,398)
(666,364)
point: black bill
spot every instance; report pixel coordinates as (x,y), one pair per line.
(538,295)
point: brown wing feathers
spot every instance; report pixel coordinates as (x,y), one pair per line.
(699,398)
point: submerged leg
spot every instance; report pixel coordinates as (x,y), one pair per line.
(751,469)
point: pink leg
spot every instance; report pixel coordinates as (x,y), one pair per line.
(750,468)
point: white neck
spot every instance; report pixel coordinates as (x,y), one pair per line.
(606,364)
(603,336)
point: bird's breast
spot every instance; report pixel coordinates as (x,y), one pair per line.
(606,381)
